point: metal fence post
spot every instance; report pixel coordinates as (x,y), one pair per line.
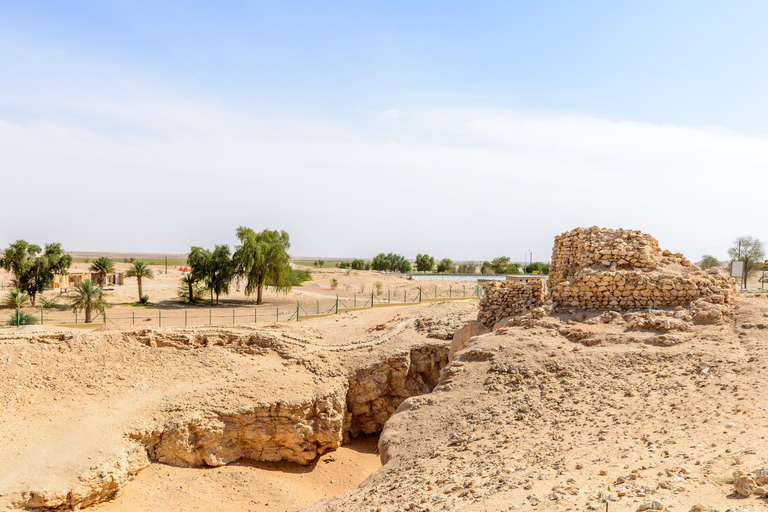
(355,305)
(297,311)
(255,312)
(389,297)
(104,313)
(17,317)
(185,317)
(435,291)
(233,316)
(371,298)
(75,314)
(159,317)
(420,292)
(465,290)
(277,314)
(133,318)
(210,317)
(41,315)
(318,306)
(337,304)
(450,291)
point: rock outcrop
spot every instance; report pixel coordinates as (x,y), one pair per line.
(502,299)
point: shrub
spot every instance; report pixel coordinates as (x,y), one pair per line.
(445,265)
(49,303)
(320,263)
(343,264)
(296,277)
(378,287)
(144,299)
(334,283)
(708,261)
(358,264)
(424,263)
(466,268)
(199,292)
(24,318)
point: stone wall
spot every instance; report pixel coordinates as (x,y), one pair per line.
(502,299)
(620,270)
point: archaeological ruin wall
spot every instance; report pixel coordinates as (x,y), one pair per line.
(622,270)
(502,299)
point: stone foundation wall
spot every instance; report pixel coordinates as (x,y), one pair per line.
(620,270)
(502,299)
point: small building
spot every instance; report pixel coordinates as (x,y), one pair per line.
(75,277)
(525,278)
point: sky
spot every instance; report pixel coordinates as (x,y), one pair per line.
(466,130)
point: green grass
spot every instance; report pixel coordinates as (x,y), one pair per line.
(148,261)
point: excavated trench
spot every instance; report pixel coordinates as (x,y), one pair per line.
(297,430)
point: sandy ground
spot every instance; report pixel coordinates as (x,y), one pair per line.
(68,399)
(354,288)
(247,485)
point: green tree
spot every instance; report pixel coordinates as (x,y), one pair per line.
(749,250)
(320,263)
(537,267)
(358,264)
(500,265)
(424,263)
(214,268)
(33,272)
(264,261)
(390,263)
(103,266)
(140,270)
(445,265)
(708,261)
(467,268)
(89,296)
(16,299)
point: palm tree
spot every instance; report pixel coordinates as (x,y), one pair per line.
(140,270)
(103,266)
(16,299)
(88,296)
(189,280)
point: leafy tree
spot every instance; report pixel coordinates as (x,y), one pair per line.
(32,271)
(263,259)
(542,268)
(708,261)
(343,264)
(214,268)
(103,266)
(140,270)
(445,265)
(500,265)
(358,264)
(424,263)
(16,299)
(749,250)
(466,268)
(334,283)
(89,296)
(378,287)
(191,290)
(320,263)
(390,263)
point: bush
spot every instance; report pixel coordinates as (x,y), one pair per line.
(334,283)
(466,268)
(445,265)
(23,319)
(708,261)
(378,287)
(296,277)
(199,292)
(358,264)
(320,263)
(144,300)
(49,303)
(343,264)
(390,263)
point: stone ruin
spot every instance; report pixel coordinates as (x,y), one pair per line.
(596,269)
(502,299)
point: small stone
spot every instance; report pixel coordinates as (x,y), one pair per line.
(650,505)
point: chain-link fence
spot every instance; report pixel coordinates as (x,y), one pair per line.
(189,315)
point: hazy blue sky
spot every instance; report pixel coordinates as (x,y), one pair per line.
(461,129)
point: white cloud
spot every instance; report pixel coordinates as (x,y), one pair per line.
(134,169)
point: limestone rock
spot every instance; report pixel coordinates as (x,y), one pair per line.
(745,486)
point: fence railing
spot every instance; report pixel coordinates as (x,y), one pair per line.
(184,315)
